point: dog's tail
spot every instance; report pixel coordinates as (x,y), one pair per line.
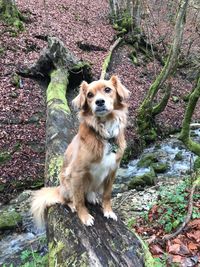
(42,199)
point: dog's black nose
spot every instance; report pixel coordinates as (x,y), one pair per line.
(100,102)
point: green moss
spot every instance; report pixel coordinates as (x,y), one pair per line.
(54,167)
(11,15)
(178,156)
(133,57)
(37,184)
(197,164)
(160,167)
(81,65)
(149,261)
(2,187)
(145,123)
(9,219)
(127,156)
(4,157)
(1,50)
(15,80)
(54,250)
(175,99)
(124,23)
(56,91)
(105,65)
(147,160)
(147,178)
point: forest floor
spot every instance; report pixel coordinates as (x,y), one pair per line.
(22,102)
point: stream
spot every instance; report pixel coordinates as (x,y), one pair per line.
(24,236)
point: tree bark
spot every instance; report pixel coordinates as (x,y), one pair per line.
(126,13)
(145,116)
(185,132)
(107,243)
(10,13)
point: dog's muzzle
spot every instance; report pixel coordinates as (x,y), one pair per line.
(100,107)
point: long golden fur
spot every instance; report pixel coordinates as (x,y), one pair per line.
(90,163)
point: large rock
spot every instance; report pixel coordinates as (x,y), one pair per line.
(148,178)
(9,219)
(160,167)
(147,159)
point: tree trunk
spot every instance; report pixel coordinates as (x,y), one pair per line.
(146,111)
(185,132)
(126,13)
(107,243)
(10,13)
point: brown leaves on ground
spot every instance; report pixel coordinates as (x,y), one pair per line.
(184,250)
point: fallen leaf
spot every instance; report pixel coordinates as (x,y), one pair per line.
(195,224)
(156,250)
(192,246)
(176,258)
(195,235)
(174,249)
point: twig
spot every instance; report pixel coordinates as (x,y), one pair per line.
(108,58)
(188,216)
(123,200)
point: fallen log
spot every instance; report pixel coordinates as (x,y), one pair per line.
(107,243)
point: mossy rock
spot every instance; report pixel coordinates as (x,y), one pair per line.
(178,156)
(4,157)
(37,184)
(127,156)
(160,167)
(9,219)
(147,160)
(142,180)
(197,164)
(148,135)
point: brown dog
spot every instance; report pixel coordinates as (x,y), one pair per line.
(92,158)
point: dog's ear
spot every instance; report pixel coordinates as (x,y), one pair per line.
(80,101)
(122,92)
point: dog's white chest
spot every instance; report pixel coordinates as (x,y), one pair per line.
(100,171)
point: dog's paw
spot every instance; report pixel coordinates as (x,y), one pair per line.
(110,215)
(92,198)
(88,220)
(71,206)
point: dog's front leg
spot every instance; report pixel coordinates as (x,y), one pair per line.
(79,186)
(106,202)
(122,146)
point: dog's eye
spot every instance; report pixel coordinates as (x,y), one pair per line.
(90,95)
(107,90)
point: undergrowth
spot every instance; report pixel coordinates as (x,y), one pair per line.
(30,258)
(171,207)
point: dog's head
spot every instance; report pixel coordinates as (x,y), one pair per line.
(101,97)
